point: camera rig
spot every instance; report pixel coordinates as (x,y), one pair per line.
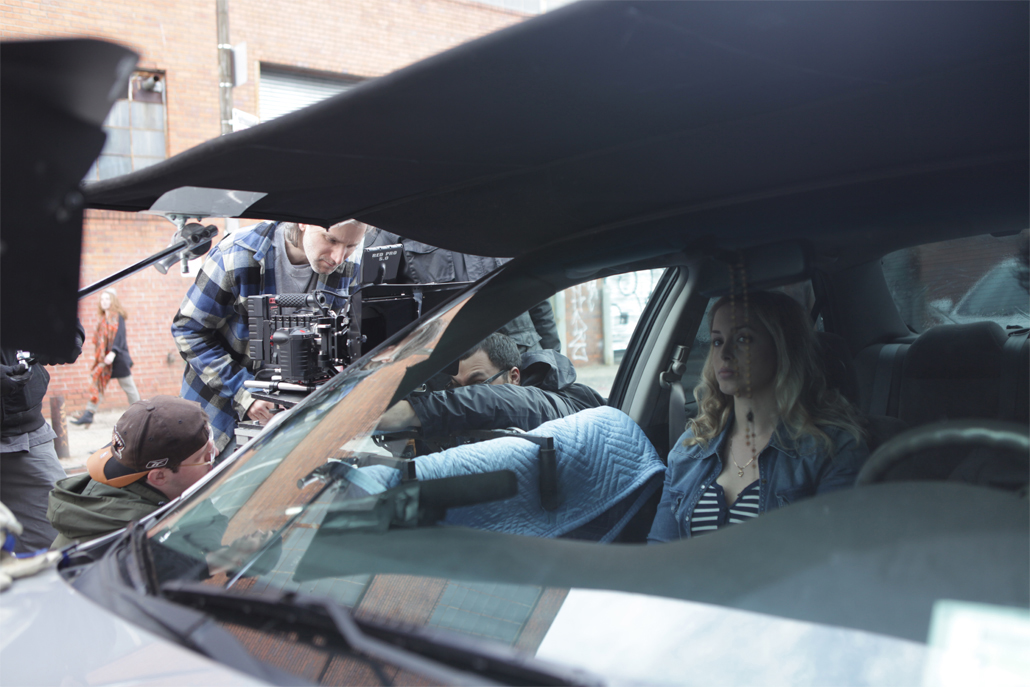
(299,340)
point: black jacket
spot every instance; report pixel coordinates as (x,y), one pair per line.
(120,346)
(426,264)
(548,392)
(21,393)
(22,396)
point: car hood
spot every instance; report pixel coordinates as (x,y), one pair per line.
(650,640)
(52,634)
(717,117)
(620,638)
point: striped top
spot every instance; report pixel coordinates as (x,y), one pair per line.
(712,512)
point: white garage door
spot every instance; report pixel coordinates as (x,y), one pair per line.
(284,91)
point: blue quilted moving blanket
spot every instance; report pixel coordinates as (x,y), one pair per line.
(607,469)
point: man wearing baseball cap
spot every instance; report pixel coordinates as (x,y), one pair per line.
(160,447)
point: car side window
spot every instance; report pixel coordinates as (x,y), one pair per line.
(961,281)
(596,320)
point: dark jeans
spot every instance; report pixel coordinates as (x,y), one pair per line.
(26,478)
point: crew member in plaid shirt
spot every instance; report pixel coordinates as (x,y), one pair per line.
(210,328)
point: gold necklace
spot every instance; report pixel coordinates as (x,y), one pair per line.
(750,440)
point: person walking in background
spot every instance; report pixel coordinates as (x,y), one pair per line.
(110,357)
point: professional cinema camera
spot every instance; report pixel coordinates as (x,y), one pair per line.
(299,340)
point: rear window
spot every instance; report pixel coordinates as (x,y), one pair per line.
(961,281)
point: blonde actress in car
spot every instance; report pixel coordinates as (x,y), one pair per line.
(110,357)
(769,431)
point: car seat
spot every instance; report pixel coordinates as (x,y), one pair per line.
(841,374)
(966,371)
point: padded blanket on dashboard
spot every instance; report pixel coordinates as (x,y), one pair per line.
(605,464)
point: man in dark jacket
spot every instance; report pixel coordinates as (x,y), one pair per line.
(426,264)
(160,447)
(496,388)
(28,460)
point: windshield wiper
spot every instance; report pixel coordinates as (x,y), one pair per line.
(122,581)
(449,659)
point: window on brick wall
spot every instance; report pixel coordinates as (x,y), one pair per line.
(135,128)
(283,90)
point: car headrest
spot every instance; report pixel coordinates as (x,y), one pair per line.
(957,351)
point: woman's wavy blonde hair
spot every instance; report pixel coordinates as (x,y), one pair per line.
(803,400)
(116,305)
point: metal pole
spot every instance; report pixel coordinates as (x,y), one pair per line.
(133,269)
(558,305)
(194,237)
(57,421)
(607,353)
(225,77)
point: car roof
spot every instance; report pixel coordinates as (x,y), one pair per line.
(859,127)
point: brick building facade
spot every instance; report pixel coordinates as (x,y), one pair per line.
(178,42)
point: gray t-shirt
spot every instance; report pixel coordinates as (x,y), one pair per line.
(290,278)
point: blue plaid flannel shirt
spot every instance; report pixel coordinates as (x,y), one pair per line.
(210,328)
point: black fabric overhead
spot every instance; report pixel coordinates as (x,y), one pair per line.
(55,96)
(613,112)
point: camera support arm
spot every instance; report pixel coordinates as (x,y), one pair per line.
(191,243)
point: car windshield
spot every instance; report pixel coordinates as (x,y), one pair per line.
(306,523)
(274,486)
(295,482)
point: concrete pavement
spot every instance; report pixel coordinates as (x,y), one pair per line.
(597,377)
(83,441)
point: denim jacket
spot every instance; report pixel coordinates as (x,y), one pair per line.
(788,471)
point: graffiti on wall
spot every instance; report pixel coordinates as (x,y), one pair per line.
(582,303)
(627,295)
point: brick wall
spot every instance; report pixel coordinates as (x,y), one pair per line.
(111,241)
(365,38)
(362,38)
(175,37)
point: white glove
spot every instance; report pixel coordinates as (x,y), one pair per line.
(8,523)
(11,567)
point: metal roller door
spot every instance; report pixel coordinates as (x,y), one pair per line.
(284,91)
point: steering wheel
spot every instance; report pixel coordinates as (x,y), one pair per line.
(897,459)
